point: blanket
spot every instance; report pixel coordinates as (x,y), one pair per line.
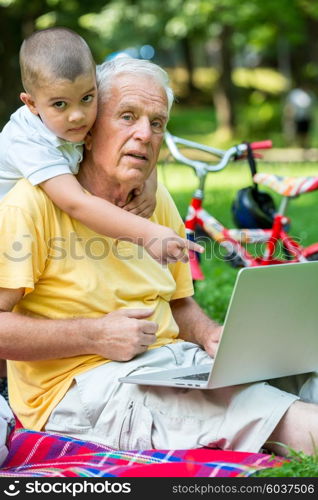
(41,454)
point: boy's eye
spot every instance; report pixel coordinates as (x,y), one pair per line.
(88,98)
(59,104)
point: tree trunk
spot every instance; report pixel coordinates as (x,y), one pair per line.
(305,54)
(223,95)
(10,72)
(188,59)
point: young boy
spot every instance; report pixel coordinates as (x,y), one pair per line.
(43,142)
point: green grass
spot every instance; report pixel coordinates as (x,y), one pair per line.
(197,124)
(298,465)
(213,294)
(257,116)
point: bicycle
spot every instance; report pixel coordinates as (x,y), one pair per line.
(273,235)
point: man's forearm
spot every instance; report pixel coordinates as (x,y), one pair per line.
(23,338)
(194,325)
(119,335)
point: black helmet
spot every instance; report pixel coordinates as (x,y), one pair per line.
(253,209)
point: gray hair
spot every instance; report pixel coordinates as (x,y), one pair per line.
(126,64)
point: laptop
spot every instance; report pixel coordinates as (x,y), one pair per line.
(270,330)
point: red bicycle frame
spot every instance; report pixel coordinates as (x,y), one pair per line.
(234,241)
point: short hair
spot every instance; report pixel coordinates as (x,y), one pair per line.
(56,52)
(126,64)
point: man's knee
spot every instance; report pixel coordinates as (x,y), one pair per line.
(297,430)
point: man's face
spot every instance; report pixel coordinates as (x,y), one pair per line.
(129,128)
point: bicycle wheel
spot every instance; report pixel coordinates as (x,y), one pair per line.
(313,256)
(287,254)
(199,232)
(234,260)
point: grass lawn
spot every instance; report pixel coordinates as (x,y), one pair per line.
(198,123)
(214,292)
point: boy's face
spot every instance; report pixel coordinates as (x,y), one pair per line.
(67,108)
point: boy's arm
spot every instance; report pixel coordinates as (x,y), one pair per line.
(144,201)
(161,242)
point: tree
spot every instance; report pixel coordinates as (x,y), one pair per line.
(182,22)
(176,28)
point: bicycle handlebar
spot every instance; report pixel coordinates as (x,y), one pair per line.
(235,152)
(261,144)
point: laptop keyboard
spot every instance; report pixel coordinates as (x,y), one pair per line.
(195,376)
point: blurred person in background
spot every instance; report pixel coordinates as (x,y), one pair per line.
(298,116)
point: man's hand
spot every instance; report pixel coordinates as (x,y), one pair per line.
(166,246)
(195,326)
(211,340)
(123,334)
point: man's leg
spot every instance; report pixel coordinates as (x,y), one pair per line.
(240,418)
(298,429)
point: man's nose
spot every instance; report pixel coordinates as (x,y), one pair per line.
(76,115)
(143,130)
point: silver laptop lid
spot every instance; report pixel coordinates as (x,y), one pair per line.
(271,326)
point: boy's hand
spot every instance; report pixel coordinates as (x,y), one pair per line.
(144,199)
(166,246)
(143,203)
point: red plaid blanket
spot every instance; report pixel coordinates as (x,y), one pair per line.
(41,454)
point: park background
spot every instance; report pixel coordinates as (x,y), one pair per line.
(232,64)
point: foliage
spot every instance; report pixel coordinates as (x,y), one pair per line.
(299,465)
(124,21)
(185,33)
(263,79)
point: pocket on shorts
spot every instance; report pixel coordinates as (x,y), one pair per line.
(70,415)
(136,428)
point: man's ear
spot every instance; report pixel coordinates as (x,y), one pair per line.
(88,141)
(28,100)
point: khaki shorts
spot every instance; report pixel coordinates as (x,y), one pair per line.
(126,416)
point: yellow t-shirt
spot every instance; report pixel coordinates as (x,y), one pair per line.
(68,271)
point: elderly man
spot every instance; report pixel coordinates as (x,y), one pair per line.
(79,310)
